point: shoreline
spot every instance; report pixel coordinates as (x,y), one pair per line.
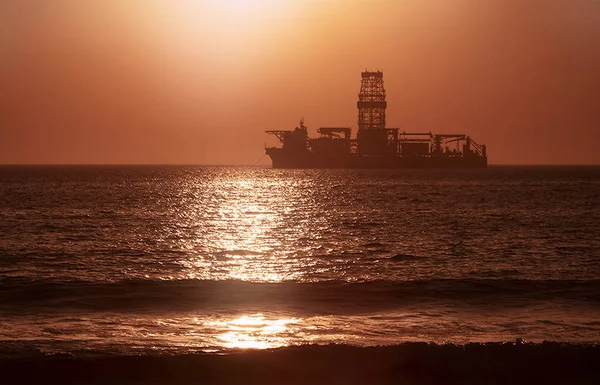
(408,363)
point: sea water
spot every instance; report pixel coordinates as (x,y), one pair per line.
(121,260)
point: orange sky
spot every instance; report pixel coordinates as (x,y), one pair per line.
(198,81)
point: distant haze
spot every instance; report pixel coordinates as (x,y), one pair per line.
(193,81)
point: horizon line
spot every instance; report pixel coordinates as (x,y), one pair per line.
(265,165)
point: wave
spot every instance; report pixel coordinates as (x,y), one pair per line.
(326,297)
(410,363)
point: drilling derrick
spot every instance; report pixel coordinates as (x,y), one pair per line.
(371,102)
(372,135)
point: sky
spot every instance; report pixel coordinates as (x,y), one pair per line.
(199,81)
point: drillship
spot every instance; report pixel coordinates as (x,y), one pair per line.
(375,145)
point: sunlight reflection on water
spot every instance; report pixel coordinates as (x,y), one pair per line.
(256,332)
(246,228)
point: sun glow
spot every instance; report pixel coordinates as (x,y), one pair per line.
(223,35)
(240,12)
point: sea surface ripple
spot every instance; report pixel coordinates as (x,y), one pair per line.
(185,258)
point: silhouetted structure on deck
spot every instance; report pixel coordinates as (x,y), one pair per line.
(375,146)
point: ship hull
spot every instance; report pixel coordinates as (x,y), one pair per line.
(284,159)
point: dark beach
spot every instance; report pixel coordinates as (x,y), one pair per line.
(413,363)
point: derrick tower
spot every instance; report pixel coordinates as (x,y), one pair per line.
(371,102)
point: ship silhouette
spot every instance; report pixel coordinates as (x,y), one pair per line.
(375,145)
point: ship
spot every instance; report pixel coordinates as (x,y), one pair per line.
(375,145)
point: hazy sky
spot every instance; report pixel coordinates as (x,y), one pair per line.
(198,81)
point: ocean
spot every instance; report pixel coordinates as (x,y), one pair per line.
(173,261)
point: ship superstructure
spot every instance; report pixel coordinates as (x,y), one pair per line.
(375,146)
